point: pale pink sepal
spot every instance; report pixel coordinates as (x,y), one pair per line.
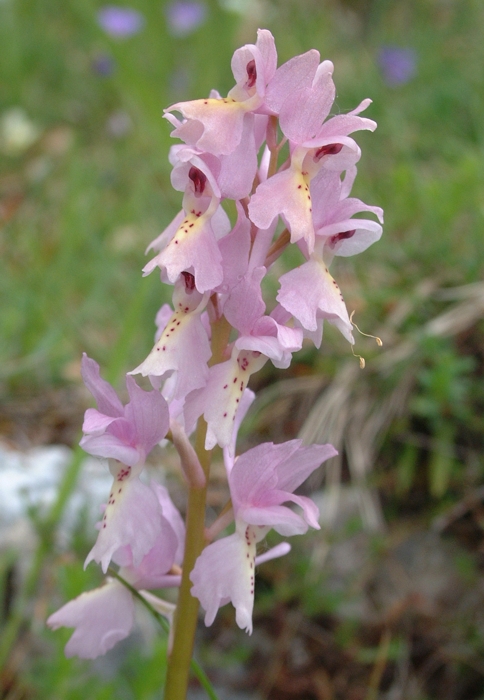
(225,572)
(310,294)
(101,618)
(132,517)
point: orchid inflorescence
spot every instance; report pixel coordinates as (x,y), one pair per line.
(218,333)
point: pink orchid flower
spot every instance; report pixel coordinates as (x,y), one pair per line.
(216,124)
(104,616)
(261,481)
(289,193)
(183,346)
(309,292)
(189,243)
(126,434)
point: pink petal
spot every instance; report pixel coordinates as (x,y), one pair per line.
(219,400)
(111,446)
(229,450)
(183,347)
(309,292)
(293,75)
(132,517)
(102,618)
(286,194)
(106,398)
(294,469)
(239,169)
(225,572)
(303,112)
(96,422)
(148,412)
(245,304)
(172,514)
(235,248)
(267,47)
(165,236)
(157,563)
(282,519)
(222,121)
(255,471)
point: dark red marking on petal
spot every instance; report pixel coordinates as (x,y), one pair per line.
(330,150)
(251,74)
(189,281)
(341,237)
(198,178)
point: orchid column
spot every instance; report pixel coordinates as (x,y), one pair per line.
(219,331)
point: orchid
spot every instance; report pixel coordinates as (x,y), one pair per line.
(126,434)
(241,208)
(183,346)
(104,616)
(261,480)
(289,192)
(216,124)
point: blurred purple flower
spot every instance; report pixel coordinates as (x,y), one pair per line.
(103,65)
(183,18)
(398,65)
(120,22)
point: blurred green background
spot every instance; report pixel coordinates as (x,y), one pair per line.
(84,188)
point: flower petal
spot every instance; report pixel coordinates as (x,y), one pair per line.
(106,398)
(102,618)
(132,517)
(225,572)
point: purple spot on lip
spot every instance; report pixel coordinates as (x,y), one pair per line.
(120,22)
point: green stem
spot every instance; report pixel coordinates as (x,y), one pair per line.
(187,606)
(186,615)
